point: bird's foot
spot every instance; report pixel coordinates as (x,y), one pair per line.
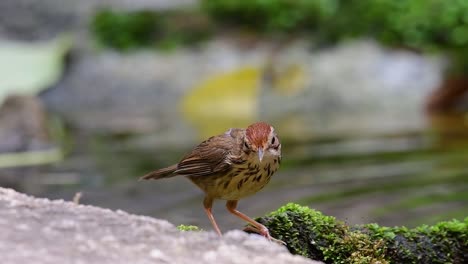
(264,232)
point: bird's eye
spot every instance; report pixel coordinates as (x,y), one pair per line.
(273,140)
(246,145)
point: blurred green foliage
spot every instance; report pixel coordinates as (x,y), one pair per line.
(413,23)
(124,30)
(271,15)
(423,25)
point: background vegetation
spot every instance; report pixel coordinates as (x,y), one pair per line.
(421,25)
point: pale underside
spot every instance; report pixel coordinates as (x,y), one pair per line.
(243,179)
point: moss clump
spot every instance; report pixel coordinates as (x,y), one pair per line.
(188,228)
(445,242)
(314,235)
(311,234)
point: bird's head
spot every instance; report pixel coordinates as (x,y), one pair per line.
(261,138)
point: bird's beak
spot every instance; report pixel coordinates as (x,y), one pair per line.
(260,154)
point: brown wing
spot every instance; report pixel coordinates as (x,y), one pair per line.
(211,157)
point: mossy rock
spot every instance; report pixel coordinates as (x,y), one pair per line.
(311,234)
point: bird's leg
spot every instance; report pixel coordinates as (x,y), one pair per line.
(257,227)
(208,203)
(261,229)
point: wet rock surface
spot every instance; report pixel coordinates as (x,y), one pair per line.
(43,231)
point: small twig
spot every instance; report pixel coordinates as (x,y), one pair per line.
(77,197)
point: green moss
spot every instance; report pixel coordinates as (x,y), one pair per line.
(444,242)
(309,242)
(188,228)
(314,235)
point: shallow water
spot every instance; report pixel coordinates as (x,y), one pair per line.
(406,178)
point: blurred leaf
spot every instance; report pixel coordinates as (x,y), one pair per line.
(28,68)
(224,100)
(30,158)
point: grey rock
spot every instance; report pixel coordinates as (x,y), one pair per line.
(355,87)
(36,230)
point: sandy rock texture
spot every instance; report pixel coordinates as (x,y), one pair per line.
(36,230)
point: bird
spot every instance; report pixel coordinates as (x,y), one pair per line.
(230,166)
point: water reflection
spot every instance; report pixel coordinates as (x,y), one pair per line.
(393,179)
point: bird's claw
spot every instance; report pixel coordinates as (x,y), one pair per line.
(264,232)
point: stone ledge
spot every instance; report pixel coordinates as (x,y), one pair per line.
(36,230)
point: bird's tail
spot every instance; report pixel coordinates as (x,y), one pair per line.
(161,173)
